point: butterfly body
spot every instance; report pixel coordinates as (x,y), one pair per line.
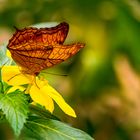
(37,49)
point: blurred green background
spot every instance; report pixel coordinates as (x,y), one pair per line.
(103,82)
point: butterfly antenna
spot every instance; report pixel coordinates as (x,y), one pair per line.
(13,76)
(36,84)
(4,64)
(55,74)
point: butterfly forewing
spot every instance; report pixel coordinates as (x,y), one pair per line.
(54,35)
(65,51)
(37,49)
(38,38)
(21,37)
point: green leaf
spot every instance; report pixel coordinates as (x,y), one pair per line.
(49,129)
(14,105)
(3,58)
(1,83)
(41,112)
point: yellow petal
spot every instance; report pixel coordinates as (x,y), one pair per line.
(41,98)
(16,87)
(52,93)
(13,76)
(8,54)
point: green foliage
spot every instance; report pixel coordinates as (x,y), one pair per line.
(40,125)
(37,128)
(15,107)
(42,112)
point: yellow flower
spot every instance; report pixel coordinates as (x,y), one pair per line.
(40,91)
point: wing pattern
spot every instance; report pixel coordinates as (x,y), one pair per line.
(38,49)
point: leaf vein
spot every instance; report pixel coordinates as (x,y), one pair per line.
(53,130)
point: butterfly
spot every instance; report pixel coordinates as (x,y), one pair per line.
(36,49)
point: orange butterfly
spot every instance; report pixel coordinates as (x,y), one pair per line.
(37,49)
